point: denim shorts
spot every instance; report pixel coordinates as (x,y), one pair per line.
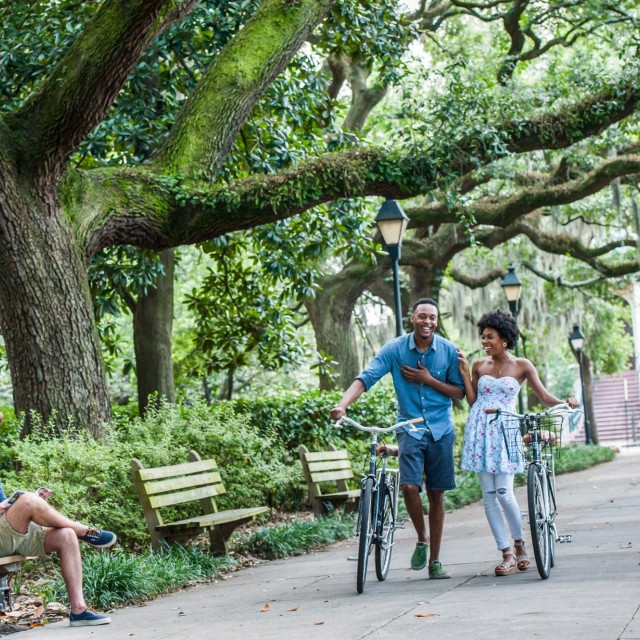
(433,458)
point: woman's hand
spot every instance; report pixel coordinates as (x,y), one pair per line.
(572,402)
(463,364)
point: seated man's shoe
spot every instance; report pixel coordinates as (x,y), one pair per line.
(419,557)
(99,538)
(87,619)
(437,571)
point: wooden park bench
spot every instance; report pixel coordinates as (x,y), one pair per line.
(8,566)
(326,474)
(195,481)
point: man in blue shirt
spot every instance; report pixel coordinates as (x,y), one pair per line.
(424,368)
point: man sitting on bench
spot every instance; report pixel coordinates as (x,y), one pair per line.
(31,527)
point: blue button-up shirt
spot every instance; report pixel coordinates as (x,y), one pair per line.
(414,399)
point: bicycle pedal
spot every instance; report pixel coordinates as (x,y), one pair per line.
(566,537)
(352,559)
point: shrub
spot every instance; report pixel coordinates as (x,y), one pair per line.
(90,479)
(304,418)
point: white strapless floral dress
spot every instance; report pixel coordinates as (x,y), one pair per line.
(484,447)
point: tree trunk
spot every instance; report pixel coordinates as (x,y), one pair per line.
(152,329)
(47,315)
(334,335)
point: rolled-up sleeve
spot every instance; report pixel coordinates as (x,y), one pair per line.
(378,367)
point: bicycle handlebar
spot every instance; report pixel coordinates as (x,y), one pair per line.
(562,408)
(404,423)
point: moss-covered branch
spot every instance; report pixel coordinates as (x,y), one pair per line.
(218,107)
(152,209)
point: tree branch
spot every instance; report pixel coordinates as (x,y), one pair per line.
(504,211)
(76,95)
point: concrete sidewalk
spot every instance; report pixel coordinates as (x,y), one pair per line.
(593,592)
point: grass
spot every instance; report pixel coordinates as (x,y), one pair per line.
(116,578)
(296,537)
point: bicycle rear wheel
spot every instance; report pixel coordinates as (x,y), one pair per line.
(386,528)
(366,532)
(539,520)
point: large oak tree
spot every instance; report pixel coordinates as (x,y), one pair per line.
(54,215)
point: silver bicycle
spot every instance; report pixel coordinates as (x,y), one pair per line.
(535,438)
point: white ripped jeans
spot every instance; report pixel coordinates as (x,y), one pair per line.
(497,491)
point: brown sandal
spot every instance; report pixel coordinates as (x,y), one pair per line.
(522,559)
(505,568)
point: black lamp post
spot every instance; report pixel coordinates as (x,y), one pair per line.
(392,222)
(512,288)
(577,342)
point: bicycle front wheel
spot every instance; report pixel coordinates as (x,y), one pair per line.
(539,520)
(553,531)
(366,532)
(385,529)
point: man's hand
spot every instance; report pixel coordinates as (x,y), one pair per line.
(4,506)
(337,412)
(421,375)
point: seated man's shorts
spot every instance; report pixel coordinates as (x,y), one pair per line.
(433,458)
(26,544)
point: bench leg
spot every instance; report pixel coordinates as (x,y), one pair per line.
(218,542)
(5,593)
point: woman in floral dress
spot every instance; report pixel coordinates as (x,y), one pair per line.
(494,383)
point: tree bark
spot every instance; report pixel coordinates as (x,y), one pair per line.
(47,315)
(152,329)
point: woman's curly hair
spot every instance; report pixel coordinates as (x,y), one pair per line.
(504,323)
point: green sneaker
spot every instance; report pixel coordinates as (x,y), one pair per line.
(419,557)
(437,571)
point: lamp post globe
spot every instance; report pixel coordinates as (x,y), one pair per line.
(392,222)
(512,288)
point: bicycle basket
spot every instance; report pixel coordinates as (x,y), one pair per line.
(512,439)
(546,431)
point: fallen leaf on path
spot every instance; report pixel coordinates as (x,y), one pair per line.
(294,609)
(266,607)
(319,622)
(426,615)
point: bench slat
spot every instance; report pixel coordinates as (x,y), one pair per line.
(340,495)
(334,465)
(10,559)
(180,497)
(173,484)
(158,473)
(313,456)
(213,519)
(328,476)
